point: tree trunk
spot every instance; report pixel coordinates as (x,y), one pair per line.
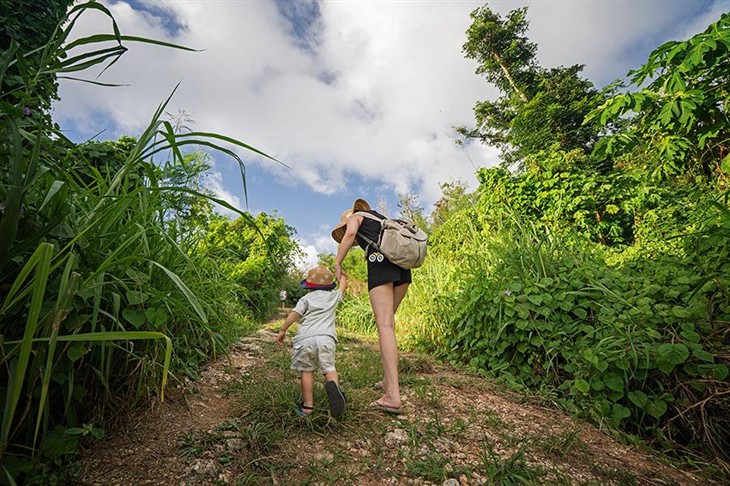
(509,77)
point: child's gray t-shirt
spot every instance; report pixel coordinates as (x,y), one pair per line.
(317,309)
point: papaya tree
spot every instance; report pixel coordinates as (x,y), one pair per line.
(678,121)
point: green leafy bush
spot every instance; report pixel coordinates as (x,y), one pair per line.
(583,276)
(630,345)
(355,313)
(255,254)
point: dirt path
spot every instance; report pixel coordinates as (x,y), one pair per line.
(460,429)
(148,451)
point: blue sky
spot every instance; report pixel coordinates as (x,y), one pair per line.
(359,98)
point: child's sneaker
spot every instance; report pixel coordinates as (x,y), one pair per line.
(337,399)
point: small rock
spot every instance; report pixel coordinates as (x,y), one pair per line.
(225,477)
(203,468)
(397,437)
(219,449)
(451,482)
(463,481)
(324,457)
(234,444)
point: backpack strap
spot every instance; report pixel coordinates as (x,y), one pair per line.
(374,218)
(369,216)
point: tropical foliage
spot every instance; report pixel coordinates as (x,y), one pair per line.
(109,276)
(678,122)
(538,106)
(591,267)
(256,257)
(597,277)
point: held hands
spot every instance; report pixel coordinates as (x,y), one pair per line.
(338,271)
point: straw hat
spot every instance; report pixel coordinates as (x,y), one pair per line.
(339,231)
(318,278)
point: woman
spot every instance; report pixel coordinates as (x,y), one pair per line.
(387,285)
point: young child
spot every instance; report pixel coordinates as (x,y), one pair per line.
(313,346)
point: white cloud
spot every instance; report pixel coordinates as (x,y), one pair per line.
(609,36)
(308,259)
(214,183)
(376,93)
(396,87)
(321,240)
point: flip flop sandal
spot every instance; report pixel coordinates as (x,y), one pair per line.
(337,399)
(376,405)
(300,410)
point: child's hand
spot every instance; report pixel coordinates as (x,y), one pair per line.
(280,338)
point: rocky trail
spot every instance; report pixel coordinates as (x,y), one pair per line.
(236,425)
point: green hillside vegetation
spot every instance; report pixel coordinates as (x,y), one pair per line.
(592,268)
(115,271)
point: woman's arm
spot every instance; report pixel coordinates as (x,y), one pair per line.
(353,224)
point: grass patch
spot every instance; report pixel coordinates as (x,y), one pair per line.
(560,445)
(431,467)
(428,394)
(415,363)
(510,470)
(276,446)
(194,444)
(491,421)
(619,476)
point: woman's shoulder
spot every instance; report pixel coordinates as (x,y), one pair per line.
(360,218)
(374,213)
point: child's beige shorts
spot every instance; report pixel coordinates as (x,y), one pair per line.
(313,352)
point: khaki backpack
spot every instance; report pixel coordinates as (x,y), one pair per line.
(399,241)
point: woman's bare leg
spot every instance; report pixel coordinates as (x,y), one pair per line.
(382,300)
(398,293)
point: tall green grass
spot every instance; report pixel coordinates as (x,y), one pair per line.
(422,320)
(99,300)
(631,346)
(355,314)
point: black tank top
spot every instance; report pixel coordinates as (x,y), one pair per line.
(371,229)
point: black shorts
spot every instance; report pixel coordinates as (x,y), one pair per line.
(382,271)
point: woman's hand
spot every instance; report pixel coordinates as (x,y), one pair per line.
(338,271)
